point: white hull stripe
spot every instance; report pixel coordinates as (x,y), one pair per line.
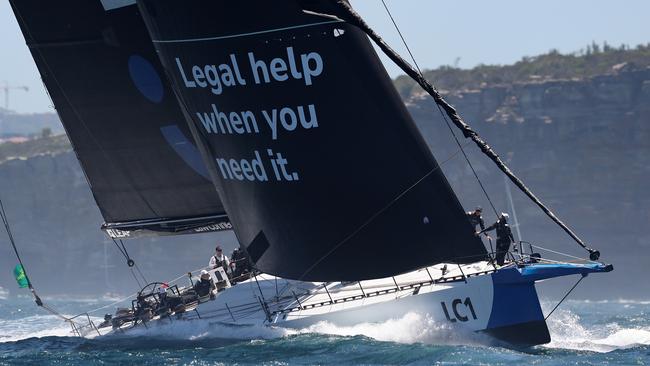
(242,34)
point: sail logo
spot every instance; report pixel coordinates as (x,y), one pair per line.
(146,78)
(147,81)
(244,122)
(215,77)
(220,226)
(305,67)
(311,66)
(263,164)
(117,234)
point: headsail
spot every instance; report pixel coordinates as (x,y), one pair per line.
(322,171)
(133,142)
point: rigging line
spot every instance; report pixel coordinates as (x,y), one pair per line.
(140,272)
(124,248)
(120,249)
(512,208)
(565,296)
(57,314)
(112,304)
(134,294)
(408,49)
(351,16)
(129,261)
(480,183)
(376,214)
(135,277)
(39,302)
(5,221)
(560,253)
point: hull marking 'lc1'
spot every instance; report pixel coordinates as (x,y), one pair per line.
(459,315)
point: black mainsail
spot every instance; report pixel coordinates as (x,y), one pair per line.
(319,165)
(101,71)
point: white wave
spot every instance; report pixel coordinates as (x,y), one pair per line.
(198,329)
(34,326)
(113,297)
(4,294)
(567,332)
(615,301)
(411,328)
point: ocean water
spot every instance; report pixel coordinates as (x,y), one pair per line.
(583,332)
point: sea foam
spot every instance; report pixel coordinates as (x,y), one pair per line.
(568,331)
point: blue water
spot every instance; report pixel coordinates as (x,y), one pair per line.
(584,333)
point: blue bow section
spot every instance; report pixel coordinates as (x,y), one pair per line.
(542,271)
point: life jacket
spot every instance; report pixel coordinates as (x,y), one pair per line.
(220,263)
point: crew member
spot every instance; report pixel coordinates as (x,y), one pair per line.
(205,285)
(220,260)
(144,309)
(475,218)
(504,237)
(239,260)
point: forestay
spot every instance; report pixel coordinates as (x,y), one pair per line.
(127,129)
(320,167)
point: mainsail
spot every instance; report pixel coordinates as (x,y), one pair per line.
(319,165)
(100,68)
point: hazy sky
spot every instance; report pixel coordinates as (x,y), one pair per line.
(439,33)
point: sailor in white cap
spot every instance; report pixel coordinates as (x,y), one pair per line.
(205,285)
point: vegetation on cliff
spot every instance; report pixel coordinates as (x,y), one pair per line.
(46,145)
(593,60)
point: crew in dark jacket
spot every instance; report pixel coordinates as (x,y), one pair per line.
(504,237)
(475,218)
(205,286)
(241,263)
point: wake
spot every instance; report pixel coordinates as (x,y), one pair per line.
(35,326)
(568,331)
(409,329)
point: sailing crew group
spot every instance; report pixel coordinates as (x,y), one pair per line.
(504,234)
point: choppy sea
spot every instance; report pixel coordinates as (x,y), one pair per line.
(613,332)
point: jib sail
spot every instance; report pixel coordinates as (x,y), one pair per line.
(319,165)
(133,142)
